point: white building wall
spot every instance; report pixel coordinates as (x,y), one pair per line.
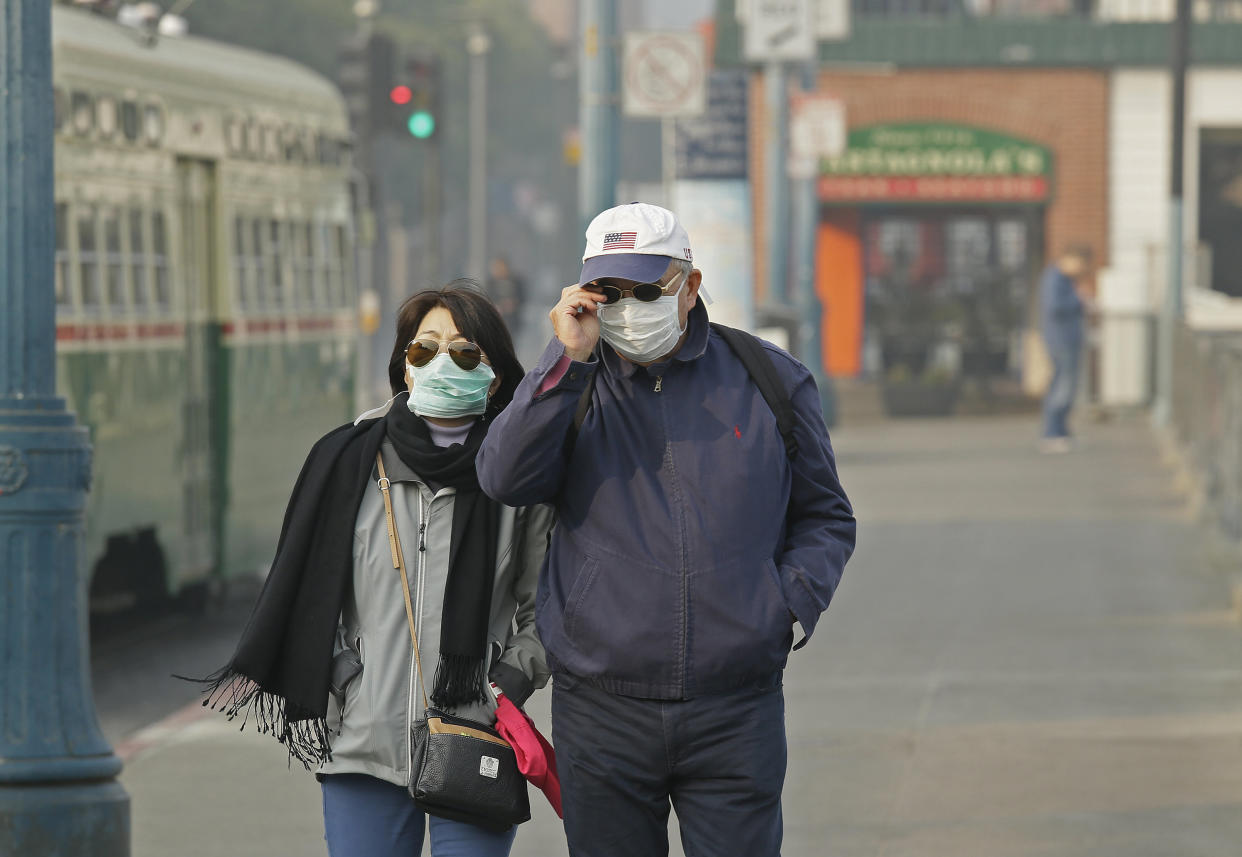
(1131,290)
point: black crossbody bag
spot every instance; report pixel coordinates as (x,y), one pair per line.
(460,769)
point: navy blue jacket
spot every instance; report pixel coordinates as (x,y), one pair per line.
(687,543)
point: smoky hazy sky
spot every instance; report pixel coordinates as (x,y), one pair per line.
(679,15)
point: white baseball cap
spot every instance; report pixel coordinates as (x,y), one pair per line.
(633,242)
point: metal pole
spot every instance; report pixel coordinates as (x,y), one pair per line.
(58,789)
(597,110)
(776,184)
(806,226)
(1171,315)
(432,198)
(668,159)
(478,45)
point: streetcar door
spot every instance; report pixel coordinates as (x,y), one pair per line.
(201,450)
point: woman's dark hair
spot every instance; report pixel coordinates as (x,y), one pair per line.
(477,319)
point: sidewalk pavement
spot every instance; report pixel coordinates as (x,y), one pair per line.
(1028,656)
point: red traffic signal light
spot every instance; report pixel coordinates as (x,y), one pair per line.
(401,94)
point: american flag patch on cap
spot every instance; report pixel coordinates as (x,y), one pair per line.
(620,240)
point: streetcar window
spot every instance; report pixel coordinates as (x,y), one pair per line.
(62,255)
(60,108)
(342,262)
(241,266)
(114,261)
(138,258)
(88,258)
(83,112)
(307,264)
(159,261)
(153,124)
(276,249)
(254,141)
(105,113)
(131,121)
(261,278)
(271,144)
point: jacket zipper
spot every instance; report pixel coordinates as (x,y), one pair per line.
(418,620)
(681,522)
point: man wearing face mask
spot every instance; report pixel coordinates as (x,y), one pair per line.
(691,539)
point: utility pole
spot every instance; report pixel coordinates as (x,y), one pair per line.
(58,788)
(810,311)
(776,184)
(478,45)
(597,107)
(1171,314)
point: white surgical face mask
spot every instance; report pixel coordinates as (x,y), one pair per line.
(642,331)
(443,389)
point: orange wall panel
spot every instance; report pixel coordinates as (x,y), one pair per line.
(839,284)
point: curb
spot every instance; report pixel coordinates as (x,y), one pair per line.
(150,737)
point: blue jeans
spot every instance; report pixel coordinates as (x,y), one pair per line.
(367,817)
(1059,399)
(719,759)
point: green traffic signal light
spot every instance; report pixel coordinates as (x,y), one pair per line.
(422,124)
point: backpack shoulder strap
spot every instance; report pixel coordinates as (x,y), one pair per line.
(580,413)
(750,351)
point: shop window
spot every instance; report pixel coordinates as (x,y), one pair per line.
(138,258)
(114,261)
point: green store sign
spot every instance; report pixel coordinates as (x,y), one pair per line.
(933,161)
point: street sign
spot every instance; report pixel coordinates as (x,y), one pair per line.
(777,30)
(664,74)
(832,20)
(816,130)
(714,145)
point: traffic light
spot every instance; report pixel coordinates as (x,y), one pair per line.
(418,97)
(365,75)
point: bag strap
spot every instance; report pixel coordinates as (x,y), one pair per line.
(398,561)
(758,365)
(751,352)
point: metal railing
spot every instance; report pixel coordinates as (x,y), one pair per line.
(1207,416)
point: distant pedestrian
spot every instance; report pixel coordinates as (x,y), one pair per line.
(1064,329)
(325,663)
(508,291)
(695,529)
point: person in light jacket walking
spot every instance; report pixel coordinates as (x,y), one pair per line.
(326,661)
(691,537)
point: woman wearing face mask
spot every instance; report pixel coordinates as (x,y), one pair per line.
(326,661)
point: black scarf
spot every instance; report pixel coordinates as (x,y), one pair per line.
(281,669)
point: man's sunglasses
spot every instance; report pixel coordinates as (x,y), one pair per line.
(645,292)
(465,354)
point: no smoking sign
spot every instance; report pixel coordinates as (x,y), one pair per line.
(664,75)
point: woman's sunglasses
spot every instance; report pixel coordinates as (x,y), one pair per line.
(645,292)
(465,354)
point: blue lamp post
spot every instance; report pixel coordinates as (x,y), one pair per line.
(58,792)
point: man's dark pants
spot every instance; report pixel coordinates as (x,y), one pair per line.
(719,758)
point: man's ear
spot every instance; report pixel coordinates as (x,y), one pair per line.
(693,282)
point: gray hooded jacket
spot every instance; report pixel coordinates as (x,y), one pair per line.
(373,705)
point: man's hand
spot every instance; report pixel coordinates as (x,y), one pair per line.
(575,323)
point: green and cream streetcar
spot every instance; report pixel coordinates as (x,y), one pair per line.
(206,329)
